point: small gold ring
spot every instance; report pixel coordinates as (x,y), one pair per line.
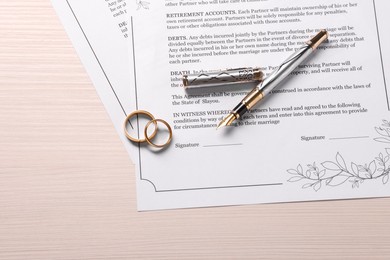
(139,112)
(148,139)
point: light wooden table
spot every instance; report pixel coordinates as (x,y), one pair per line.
(67,186)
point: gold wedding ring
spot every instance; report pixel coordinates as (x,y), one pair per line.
(140,112)
(148,139)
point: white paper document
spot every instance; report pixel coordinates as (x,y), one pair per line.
(99,33)
(323,134)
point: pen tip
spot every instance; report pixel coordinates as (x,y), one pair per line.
(227,121)
(219,125)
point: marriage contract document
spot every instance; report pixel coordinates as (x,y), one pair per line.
(99,33)
(323,134)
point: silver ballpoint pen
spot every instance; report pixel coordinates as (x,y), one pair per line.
(270,82)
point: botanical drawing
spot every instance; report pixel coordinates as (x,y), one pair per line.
(142,4)
(337,172)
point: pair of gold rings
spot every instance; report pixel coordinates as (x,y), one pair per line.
(148,138)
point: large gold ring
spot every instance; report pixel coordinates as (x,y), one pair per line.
(148,139)
(140,112)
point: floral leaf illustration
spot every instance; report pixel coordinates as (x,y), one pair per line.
(372,167)
(142,4)
(381,131)
(364,172)
(386,123)
(293,172)
(317,186)
(340,161)
(355,183)
(307,185)
(300,169)
(385,179)
(382,140)
(331,166)
(379,172)
(386,158)
(378,168)
(338,179)
(308,174)
(322,174)
(295,179)
(381,159)
(354,168)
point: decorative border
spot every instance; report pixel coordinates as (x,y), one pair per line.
(297,172)
(315,183)
(384,132)
(335,173)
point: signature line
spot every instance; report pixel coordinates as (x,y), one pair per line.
(219,145)
(353,137)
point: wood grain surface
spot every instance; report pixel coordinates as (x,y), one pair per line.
(67,185)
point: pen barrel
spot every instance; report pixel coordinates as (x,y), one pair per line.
(247,103)
(282,71)
(222,77)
